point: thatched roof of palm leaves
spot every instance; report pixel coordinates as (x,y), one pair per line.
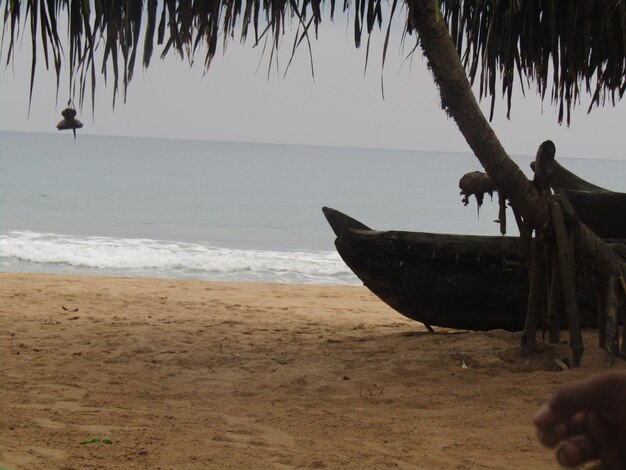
(563,48)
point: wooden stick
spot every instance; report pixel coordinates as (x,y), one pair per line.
(601,296)
(528,340)
(566,267)
(622,320)
(612,334)
(555,300)
(542,300)
(622,315)
(525,237)
(502,213)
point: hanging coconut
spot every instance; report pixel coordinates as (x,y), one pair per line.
(477,184)
(69,121)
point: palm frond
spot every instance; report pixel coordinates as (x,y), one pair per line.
(558,45)
(564,48)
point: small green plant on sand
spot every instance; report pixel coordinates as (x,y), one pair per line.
(94,440)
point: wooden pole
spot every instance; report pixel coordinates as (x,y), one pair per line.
(528,340)
(622,320)
(612,333)
(555,299)
(536,309)
(525,237)
(502,213)
(601,297)
(622,315)
(566,267)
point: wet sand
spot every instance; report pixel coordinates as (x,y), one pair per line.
(195,375)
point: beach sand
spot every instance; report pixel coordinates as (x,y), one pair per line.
(194,375)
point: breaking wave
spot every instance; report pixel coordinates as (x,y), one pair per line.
(54,253)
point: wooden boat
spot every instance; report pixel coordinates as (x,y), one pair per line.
(602,210)
(455,281)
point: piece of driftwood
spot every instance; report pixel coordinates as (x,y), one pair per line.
(502,214)
(538,266)
(611,312)
(555,298)
(454,281)
(565,256)
(612,330)
(621,312)
(601,297)
(535,295)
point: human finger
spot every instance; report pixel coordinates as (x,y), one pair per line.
(576,451)
(551,436)
(591,394)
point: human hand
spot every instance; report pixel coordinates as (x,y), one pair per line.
(588,420)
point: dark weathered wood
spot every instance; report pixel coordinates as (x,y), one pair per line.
(571,217)
(455,281)
(536,311)
(544,164)
(621,312)
(528,339)
(562,178)
(621,320)
(604,212)
(525,237)
(555,299)
(502,214)
(612,332)
(601,295)
(567,269)
(542,304)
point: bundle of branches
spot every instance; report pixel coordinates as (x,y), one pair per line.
(563,245)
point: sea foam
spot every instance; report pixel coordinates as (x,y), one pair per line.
(47,252)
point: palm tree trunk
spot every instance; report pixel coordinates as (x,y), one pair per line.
(459,102)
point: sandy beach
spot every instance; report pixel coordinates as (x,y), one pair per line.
(194,375)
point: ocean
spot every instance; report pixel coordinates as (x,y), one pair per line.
(120,206)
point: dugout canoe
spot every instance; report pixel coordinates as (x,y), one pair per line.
(453,281)
(602,210)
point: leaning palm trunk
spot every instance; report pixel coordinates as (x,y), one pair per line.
(533,206)
(459,102)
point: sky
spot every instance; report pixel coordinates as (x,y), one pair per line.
(237,101)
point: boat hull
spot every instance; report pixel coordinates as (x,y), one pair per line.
(604,212)
(454,281)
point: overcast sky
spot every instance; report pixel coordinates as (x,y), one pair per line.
(341,107)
